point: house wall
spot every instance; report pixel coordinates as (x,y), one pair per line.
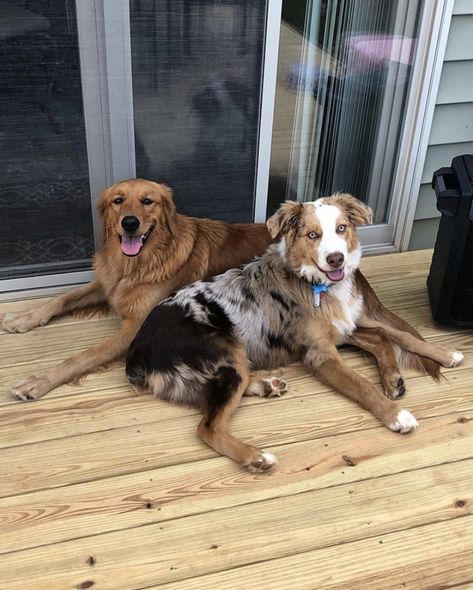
(452,126)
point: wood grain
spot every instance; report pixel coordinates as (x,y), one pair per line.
(103,489)
(50,515)
(268,530)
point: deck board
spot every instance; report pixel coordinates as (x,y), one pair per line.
(92,470)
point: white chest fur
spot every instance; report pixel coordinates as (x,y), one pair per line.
(351,304)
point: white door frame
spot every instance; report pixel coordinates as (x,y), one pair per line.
(433,36)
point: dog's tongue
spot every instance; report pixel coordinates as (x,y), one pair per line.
(336,275)
(131,245)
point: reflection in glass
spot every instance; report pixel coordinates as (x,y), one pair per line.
(44,191)
(196,85)
(343,75)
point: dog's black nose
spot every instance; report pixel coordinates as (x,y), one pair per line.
(130,223)
(335,259)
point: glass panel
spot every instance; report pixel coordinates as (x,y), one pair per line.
(343,75)
(196,86)
(44,191)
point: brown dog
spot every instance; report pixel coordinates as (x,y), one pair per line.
(148,252)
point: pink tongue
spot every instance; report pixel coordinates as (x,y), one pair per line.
(131,245)
(336,275)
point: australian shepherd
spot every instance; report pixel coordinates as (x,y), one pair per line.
(299,301)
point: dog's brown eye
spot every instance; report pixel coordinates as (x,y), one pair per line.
(312,235)
(117,200)
(341,228)
(147,201)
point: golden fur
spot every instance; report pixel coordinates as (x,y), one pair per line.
(178,251)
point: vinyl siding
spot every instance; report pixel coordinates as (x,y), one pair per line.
(452,126)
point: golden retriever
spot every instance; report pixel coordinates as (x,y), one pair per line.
(148,251)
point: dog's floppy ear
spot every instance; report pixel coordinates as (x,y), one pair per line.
(102,202)
(287,217)
(169,209)
(357,212)
(102,206)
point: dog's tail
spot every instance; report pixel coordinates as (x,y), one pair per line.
(378,312)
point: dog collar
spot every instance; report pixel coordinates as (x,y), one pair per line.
(319,290)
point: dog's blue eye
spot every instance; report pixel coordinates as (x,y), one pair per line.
(312,235)
(118,200)
(341,228)
(147,201)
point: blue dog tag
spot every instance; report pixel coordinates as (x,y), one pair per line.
(318,292)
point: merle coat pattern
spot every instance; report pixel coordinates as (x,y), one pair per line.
(199,346)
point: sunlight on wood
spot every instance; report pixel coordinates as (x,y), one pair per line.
(100,488)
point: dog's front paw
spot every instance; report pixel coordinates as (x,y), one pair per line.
(19,322)
(404,422)
(31,388)
(265,462)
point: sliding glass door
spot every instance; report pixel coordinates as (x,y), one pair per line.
(344,74)
(44,191)
(196,77)
(96,91)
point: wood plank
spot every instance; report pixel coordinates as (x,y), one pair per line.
(114,379)
(433,556)
(102,475)
(33,345)
(81,458)
(53,344)
(81,510)
(53,418)
(269,529)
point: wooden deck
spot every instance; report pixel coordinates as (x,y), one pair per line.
(100,489)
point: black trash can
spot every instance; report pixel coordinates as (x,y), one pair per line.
(450,281)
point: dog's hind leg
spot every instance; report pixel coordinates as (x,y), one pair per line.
(439,354)
(381,347)
(327,364)
(23,321)
(224,396)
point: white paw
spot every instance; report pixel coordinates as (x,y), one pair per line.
(404,422)
(457,358)
(265,462)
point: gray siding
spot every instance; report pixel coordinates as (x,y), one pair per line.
(452,126)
